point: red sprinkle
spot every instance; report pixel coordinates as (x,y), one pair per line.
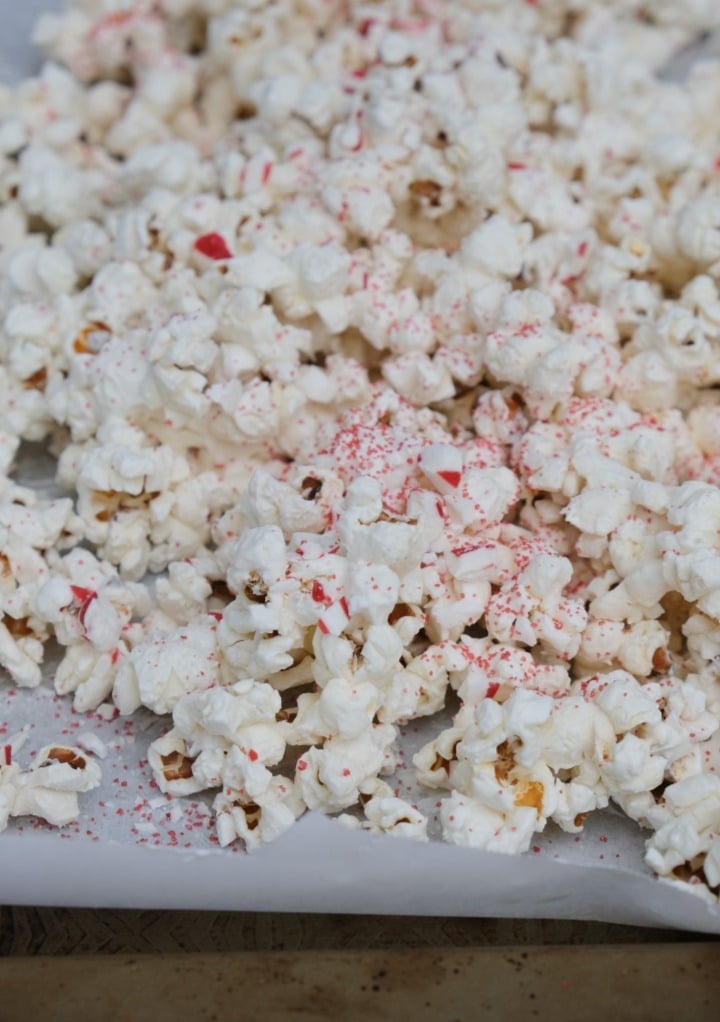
(451,478)
(302,764)
(346,772)
(343,604)
(8,754)
(252,755)
(213,246)
(318,593)
(516,166)
(492,689)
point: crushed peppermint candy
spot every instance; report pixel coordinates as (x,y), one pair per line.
(213,246)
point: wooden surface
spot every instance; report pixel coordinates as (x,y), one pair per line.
(149,966)
(566,984)
(58,931)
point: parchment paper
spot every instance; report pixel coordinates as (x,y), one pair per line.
(134,847)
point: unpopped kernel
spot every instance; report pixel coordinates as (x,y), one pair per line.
(386,336)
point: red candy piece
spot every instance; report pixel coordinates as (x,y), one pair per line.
(450,477)
(85,597)
(213,246)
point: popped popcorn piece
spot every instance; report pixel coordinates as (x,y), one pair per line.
(686,845)
(171,765)
(259,820)
(330,778)
(49,788)
(161,672)
(470,823)
(396,817)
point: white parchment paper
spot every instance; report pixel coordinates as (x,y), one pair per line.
(135,847)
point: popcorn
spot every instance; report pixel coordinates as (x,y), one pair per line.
(159,673)
(532,609)
(471,824)
(259,820)
(418,689)
(395,817)
(330,778)
(87,673)
(20,653)
(633,768)
(346,709)
(240,714)
(49,788)
(688,839)
(172,767)
(389,346)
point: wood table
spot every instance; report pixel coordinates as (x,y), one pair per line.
(148,966)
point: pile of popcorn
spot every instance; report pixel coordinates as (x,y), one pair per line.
(378,345)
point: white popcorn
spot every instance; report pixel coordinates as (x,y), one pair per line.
(633,768)
(346,708)
(20,656)
(171,765)
(330,778)
(244,714)
(497,246)
(372,591)
(259,820)
(599,511)
(389,344)
(260,554)
(689,838)
(49,788)
(697,230)
(419,688)
(626,703)
(90,675)
(160,673)
(470,823)
(532,609)
(575,801)
(241,772)
(483,496)
(711,865)
(497,668)
(396,817)
(184,592)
